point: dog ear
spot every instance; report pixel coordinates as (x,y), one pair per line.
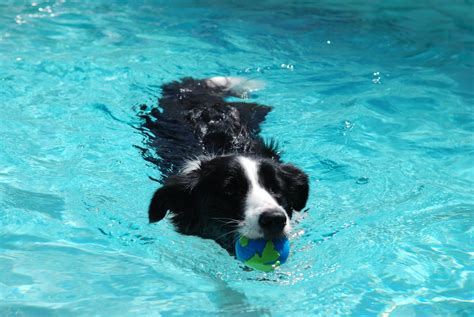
(174,196)
(161,202)
(296,186)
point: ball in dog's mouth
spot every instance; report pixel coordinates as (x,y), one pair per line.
(262,254)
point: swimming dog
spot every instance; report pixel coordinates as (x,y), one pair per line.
(220,177)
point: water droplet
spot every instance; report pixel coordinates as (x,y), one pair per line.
(348,125)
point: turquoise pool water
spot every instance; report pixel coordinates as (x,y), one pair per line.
(373,100)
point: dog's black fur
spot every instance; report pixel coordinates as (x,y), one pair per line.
(194,120)
(208,199)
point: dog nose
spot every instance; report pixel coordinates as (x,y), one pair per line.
(272,221)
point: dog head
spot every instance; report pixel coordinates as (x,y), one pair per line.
(232,194)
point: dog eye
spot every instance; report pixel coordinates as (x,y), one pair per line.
(234,186)
(230,186)
(274,187)
(272,184)
(269,179)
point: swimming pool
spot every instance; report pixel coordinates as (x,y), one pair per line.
(373,101)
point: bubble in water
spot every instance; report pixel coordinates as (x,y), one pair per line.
(19,20)
(46,9)
(287,66)
(348,125)
(376,78)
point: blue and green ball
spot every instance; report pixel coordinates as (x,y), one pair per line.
(260,254)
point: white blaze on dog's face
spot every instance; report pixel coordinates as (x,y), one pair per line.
(263,215)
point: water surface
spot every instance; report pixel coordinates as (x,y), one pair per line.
(374,101)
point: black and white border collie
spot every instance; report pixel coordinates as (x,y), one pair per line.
(220,177)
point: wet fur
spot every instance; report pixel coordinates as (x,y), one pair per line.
(200,140)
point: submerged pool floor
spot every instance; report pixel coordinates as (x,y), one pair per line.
(373,101)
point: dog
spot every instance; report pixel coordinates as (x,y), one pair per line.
(220,178)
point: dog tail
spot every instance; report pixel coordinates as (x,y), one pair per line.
(234,86)
(219,87)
